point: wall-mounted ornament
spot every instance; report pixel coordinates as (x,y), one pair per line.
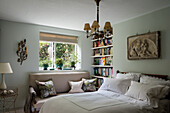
(144,46)
(21,51)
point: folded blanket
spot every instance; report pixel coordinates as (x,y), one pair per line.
(92,101)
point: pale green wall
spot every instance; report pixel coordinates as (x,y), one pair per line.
(156,21)
(11,32)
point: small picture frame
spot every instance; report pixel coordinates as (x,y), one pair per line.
(144,46)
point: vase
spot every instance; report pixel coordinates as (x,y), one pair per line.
(45,66)
(59,66)
(73,64)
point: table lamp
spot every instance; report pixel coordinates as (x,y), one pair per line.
(4,68)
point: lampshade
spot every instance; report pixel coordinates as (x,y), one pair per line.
(5,68)
(87,26)
(95,24)
(107,26)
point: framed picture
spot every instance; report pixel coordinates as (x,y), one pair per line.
(144,46)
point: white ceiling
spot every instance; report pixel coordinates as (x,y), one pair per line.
(72,14)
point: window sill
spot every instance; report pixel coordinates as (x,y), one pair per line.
(57,70)
(61,71)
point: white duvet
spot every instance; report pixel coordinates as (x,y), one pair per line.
(98,102)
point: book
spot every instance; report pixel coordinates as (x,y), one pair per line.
(106,42)
(96,61)
(98,43)
(102,61)
(103,52)
(104,72)
(109,41)
(106,61)
(99,71)
(97,52)
(100,51)
(111,51)
(101,43)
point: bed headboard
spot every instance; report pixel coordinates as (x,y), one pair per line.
(165,77)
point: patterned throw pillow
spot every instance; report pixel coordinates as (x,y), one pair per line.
(46,89)
(89,84)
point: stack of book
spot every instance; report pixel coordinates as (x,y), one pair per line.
(104,72)
(103,51)
(103,42)
(99,61)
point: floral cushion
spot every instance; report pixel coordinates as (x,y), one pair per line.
(46,88)
(89,84)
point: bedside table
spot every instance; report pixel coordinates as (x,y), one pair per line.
(7,99)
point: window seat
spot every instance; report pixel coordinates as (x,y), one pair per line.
(60,80)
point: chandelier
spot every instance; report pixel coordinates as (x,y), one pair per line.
(95,33)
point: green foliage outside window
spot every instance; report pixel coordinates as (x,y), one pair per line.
(64,51)
(43,51)
(43,54)
(61,49)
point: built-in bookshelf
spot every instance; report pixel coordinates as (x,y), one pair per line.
(102,58)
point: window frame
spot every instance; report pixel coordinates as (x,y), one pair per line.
(78,66)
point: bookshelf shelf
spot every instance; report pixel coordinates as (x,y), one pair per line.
(98,76)
(104,37)
(102,47)
(101,66)
(102,58)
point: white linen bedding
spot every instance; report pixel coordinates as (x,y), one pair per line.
(98,102)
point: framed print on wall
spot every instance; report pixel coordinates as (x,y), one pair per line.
(144,46)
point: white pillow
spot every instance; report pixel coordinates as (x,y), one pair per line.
(132,76)
(146,92)
(136,76)
(116,85)
(153,80)
(76,87)
(156,93)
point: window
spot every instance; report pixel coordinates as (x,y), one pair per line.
(58,52)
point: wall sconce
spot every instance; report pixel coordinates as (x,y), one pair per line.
(21,51)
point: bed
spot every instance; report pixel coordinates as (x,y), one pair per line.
(103,101)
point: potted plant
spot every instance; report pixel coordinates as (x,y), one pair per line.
(59,63)
(74,60)
(46,64)
(67,65)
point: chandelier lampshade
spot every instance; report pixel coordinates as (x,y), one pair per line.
(87,26)
(107,26)
(95,25)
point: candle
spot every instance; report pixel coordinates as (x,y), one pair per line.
(26,49)
(17,46)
